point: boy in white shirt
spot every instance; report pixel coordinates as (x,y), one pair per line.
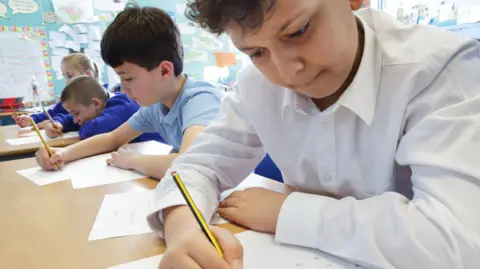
(376,124)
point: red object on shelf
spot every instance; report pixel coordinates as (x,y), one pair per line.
(16,102)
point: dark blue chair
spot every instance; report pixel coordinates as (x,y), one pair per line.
(267,168)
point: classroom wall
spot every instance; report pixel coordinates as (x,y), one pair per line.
(198,45)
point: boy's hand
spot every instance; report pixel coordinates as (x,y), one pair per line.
(42,124)
(123,158)
(53,130)
(254,208)
(192,250)
(47,162)
(22,120)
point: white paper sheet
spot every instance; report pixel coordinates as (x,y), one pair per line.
(60,51)
(125,214)
(94,45)
(261,251)
(67,30)
(80,28)
(74,11)
(56,62)
(110,5)
(254,180)
(42,177)
(94,33)
(58,38)
(81,39)
(94,171)
(72,45)
(30,139)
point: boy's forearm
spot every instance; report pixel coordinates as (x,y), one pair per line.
(176,220)
(93,146)
(153,165)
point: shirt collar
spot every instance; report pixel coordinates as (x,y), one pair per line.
(172,114)
(361,96)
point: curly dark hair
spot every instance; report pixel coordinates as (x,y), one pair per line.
(215,14)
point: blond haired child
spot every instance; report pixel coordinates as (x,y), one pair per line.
(73,65)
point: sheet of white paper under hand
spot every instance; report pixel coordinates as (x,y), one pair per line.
(261,251)
(94,171)
(42,177)
(125,214)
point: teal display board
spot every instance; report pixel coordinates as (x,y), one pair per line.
(199,46)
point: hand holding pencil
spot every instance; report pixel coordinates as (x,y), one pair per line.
(191,243)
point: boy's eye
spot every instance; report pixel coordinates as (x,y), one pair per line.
(128,79)
(257,53)
(300,32)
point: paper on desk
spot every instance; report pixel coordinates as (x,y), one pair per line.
(94,171)
(125,214)
(261,251)
(254,180)
(31,139)
(42,177)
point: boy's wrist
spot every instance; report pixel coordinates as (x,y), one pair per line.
(176,220)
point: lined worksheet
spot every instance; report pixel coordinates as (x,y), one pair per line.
(261,251)
(125,214)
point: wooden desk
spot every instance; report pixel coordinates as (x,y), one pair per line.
(48,226)
(8,113)
(12,131)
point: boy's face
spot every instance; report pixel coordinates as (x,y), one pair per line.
(81,113)
(308,46)
(143,86)
(70,73)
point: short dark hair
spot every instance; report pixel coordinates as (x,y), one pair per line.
(215,14)
(145,36)
(82,90)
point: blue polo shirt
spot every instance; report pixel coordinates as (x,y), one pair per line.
(197,104)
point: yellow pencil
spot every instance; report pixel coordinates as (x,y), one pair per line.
(14,111)
(43,141)
(196,213)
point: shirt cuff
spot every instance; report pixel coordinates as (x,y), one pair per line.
(299,221)
(173,197)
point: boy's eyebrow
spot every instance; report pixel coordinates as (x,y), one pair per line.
(120,72)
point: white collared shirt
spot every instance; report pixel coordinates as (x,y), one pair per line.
(401,146)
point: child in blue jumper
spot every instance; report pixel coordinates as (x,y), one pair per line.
(94,111)
(73,65)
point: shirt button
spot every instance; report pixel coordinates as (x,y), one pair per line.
(327,177)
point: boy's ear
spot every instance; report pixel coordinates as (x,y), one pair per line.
(97,103)
(90,73)
(166,69)
(356,4)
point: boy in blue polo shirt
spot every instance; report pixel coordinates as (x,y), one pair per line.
(144,48)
